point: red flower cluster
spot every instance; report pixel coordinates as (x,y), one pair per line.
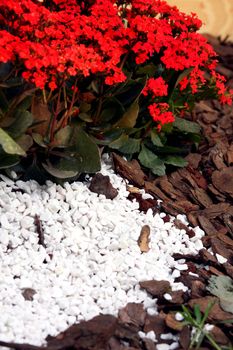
(53,40)
(156,87)
(160,114)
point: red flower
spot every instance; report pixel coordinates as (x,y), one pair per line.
(157,87)
(160,113)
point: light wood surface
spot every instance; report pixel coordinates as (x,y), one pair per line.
(217,15)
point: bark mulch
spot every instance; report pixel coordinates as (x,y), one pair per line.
(204,192)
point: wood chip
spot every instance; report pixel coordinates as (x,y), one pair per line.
(216,313)
(101,184)
(144,239)
(156,288)
(129,170)
(172,323)
(223,180)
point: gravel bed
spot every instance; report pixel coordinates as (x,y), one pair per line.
(91,262)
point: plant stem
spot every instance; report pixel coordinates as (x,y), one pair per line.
(66,116)
(54,119)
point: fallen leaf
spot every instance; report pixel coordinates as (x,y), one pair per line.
(222,287)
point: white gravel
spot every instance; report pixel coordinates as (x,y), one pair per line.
(92,262)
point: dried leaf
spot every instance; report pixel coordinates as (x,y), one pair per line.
(222,287)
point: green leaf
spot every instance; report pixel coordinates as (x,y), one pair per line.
(118,143)
(7,161)
(86,151)
(222,287)
(156,139)
(58,173)
(22,121)
(131,91)
(63,136)
(112,110)
(9,145)
(130,117)
(197,313)
(151,161)
(131,146)
(186,126)
(107,137)
(176,161)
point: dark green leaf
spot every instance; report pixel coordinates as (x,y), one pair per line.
(156,139)
(151,161)
(131,91)
(186,126)
(85,150)
(131,146)
(23,120)
(58,173)
(112,110)
(7,161)
(176,161)
(116,144)
(108,137)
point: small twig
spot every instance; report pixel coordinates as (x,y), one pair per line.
(40,231)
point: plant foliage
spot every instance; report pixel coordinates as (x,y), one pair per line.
(79,75)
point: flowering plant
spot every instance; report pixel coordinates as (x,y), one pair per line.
(119,73)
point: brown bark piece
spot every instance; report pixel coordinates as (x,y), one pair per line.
(223,180)
(155,323)
(198,289)
(207,226)
(185,337)
(101,184)
(155,191)
(129,170)
(216,313)
(220,248)
(201,197)
(198,178)
(221,197)
(219,336)
(194,160)
(215,210)
(132,314)
(229,155)
(172,323)
(156,288)
(179,224)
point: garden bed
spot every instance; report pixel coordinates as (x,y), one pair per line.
(45,273)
